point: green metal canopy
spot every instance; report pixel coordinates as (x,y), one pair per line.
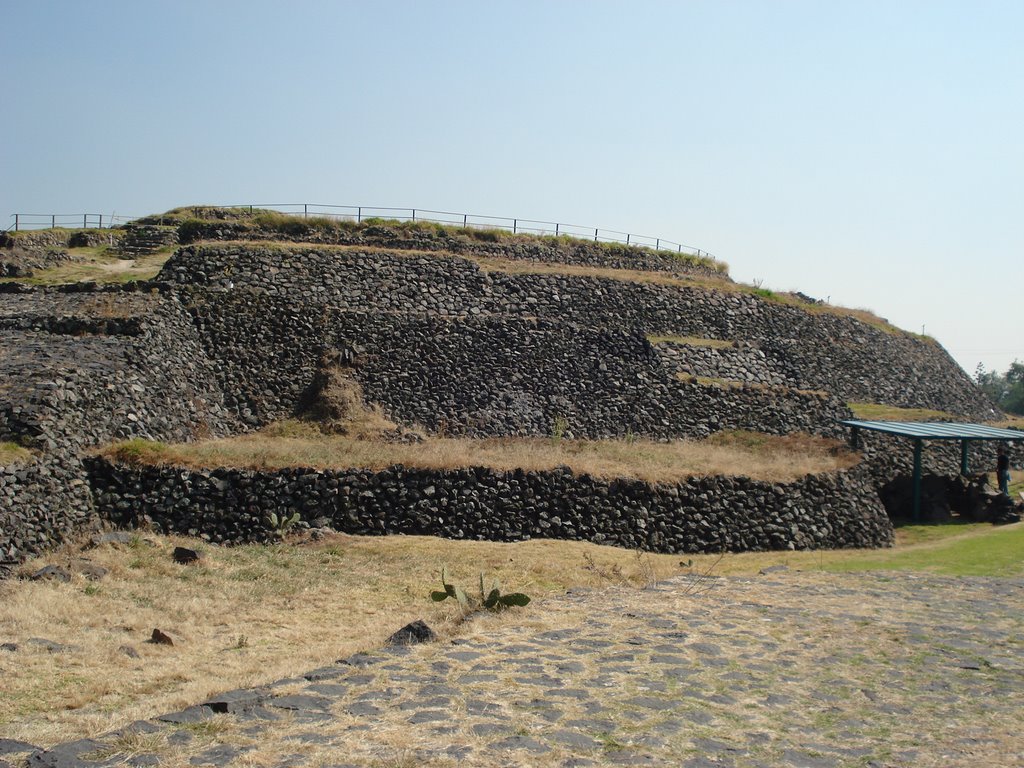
(919,431)
(937,430)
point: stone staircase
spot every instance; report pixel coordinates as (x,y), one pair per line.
(144,239)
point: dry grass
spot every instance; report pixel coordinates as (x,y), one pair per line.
(763,457)
(692,341)
(250,615)
(12,454)
(1010,421)
(880,412)
(99,265)
(713,381)
(244,616)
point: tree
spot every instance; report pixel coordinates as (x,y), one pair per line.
(1005,389)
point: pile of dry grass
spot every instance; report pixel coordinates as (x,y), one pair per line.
(760,457)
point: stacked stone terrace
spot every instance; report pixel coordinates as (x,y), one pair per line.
(231,335)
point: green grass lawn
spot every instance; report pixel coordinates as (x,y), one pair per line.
(952,550)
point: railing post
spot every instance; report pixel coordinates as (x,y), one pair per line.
(15,222)
(657,244)
(414,214)
(515,223)
(85,220)
(595,235)
(465,220)
(305,210)
(557,225)
(359,215)
(627,239)
(101,221)
(53,221)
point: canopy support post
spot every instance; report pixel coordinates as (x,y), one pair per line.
(917,482)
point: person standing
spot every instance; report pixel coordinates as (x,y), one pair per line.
(1003,471)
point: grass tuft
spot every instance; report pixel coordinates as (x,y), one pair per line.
(13,455)
(139,451)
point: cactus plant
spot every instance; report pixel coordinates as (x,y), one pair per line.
(490,597)
(282,523)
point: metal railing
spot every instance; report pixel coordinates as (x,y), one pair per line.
(361,213)
(27,221)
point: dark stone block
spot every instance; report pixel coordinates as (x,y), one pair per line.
(69,755)
(184,555)
(415,632)
(12,746)
(196,714)
(237,700)
(52,573)
(300,702)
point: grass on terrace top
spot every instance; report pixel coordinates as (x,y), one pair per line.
(720,283)
(880,412)
(693,341)
(754,455)
(100,269)
(190,219)
(99,264)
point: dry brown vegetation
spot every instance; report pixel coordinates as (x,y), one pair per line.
(249,615)
(692,341)
(764,457)
(97,264)
(244,616)
(12,454)
(880,412)
(1010,421)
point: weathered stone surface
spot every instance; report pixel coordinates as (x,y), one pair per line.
(234,701)
(196,714)
(50,645)
(68,755)
(12,746)
(696,515)
(415,632)
(51,572)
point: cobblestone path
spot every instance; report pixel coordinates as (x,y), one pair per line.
(808,670)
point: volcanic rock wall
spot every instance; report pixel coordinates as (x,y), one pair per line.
(548,250)
(482,375)
(81,369)
(698,515)
(232,336)
(804,349)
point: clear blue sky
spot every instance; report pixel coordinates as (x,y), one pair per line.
(870,152)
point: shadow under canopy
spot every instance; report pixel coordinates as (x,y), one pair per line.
(919,431)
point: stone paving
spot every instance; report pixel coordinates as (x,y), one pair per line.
(806,670)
